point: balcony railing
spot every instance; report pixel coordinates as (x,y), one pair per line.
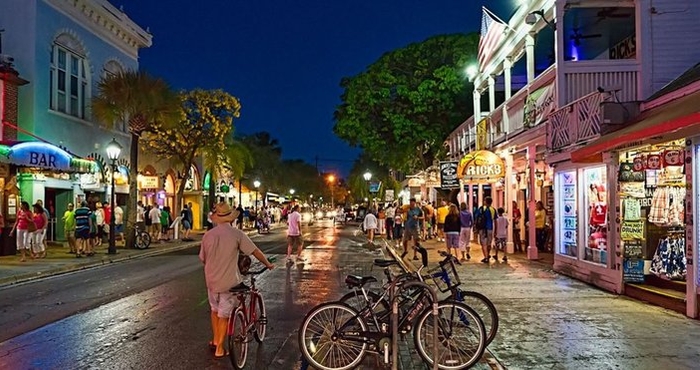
(575,123)
(582,77)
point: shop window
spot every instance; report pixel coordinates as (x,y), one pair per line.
(599,33)
(68,77)
(596,215)
(567,228)
(652,200)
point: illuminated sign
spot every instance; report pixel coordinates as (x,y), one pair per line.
(148,182)
(482,166)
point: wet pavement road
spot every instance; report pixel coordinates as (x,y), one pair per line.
(153,313)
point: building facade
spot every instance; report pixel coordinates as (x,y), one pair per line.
(600,60)
(63,49)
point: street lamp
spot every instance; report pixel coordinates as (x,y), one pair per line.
(113,150)
(368,176)
(256,184)
(331,181)
(291,191)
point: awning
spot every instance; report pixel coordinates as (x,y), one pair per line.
(37,154)
(675,120)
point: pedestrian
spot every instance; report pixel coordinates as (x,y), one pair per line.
(118,214)
(451,227)
(154,216)
(370,225)
(165,221)
(440,215)
(294,234)
(239,218)
(466,222)
(516,216)
(389,224)
(82,228)
(381,221)
(100,226)
(425,221)
(483,224)
(414,215)
(398,227)
(37,236)
(540,224)
(94,235)
(140,219)
(107,210)
(24,222)
(220,251)
(48,218)
(69,227)
(501,231)
(210,223)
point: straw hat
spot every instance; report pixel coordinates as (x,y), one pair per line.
(223,213)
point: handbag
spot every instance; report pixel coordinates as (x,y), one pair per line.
(31,227)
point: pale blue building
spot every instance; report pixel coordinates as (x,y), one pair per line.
(63,48)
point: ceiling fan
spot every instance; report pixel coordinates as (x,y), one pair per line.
(577,36)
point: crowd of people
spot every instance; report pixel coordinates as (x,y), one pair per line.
(455,226)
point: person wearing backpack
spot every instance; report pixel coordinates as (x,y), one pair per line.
(484,222)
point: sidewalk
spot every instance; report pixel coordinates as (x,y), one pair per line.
(59,261)
(550,321)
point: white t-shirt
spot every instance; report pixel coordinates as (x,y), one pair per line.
(100,217)
(390,212)
(370,221)
(155,215)
(139,213)
(294,221)
(501,227)
(118,215)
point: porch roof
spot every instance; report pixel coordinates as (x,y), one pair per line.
(674,120)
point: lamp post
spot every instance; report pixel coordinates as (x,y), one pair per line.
(256,184)
(291,191)
(368,176)
(113,150)
(331,181)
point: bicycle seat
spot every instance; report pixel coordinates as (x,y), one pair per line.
(240,288)
(358,281)
(385,263)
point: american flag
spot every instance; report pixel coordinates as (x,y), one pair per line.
(492,31)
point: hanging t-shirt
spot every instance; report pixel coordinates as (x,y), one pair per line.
(599,211)
(633,209)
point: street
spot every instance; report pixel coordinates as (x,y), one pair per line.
(152,313)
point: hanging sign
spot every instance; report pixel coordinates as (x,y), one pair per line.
(633,249)
(625,49)
(448,175)
(149,182)
(389,195)
(482,166)
(375,186)
(45,156)
(482,134)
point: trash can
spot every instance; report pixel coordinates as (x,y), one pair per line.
(8,244)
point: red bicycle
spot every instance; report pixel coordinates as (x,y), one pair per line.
(248,319)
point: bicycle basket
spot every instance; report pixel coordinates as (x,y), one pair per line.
(445,276)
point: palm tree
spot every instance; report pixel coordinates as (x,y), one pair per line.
(233,161)
(141,100)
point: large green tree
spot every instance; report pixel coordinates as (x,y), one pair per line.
(233,161)
(143,102)
(404,105)
(205,124)
(267,161)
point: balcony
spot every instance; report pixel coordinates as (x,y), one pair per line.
(583,77)
(575,123)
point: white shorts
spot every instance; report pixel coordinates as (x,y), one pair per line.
(222,303)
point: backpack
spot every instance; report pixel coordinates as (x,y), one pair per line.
(480,219)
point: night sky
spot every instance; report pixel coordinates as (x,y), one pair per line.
(284,60)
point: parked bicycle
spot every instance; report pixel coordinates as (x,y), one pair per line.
(336,336)
(142,239)
(446,279)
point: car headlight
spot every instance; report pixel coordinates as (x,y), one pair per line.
(319,214)
(305,216)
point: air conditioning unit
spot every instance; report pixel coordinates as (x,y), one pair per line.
(614,115)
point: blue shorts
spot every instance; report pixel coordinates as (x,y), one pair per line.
(119,228)
(186,225)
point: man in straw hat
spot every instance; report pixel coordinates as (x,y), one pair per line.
(219,252)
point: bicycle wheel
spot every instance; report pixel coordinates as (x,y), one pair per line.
(237,339)
(486,311)
(260,318)
(461,336)
(143,240)
(321,337)
(357,301)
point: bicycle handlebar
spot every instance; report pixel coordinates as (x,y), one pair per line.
(263,269)
(448,257)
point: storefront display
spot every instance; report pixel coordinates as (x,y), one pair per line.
(596,214)
(652,194)
(567,228)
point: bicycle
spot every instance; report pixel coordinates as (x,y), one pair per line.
(446,279)
(142,239)
(246,319)
(335,336)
